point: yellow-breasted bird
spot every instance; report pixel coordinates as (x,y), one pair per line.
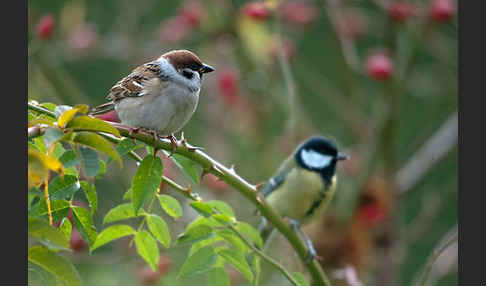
(303,186)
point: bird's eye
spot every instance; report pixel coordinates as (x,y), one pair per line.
(187,74)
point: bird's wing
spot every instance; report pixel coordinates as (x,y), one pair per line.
(279,177)
(133,85)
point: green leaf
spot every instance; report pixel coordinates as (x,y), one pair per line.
(146,181)
(40,144)
(239,262)
(102,169)
(66,116)
(40,208)
(256,266)
(187,166)
(218,277)
(300,278)
(83,222)
(236,242)
(250,232)
(42,230)
(199,262)
(126,145)
(222,207)
(66,228)
(55,264)
(205,242)
(128,194)
(69,159)
(195,234)
(90,160)
(170,205)
(147,248)
(97,142)
(120,212)
(224,219)
(91,195)
(63,187)
(52,135)
(112,233)
(159,229)
(58,150)
(202,208)
(88,123)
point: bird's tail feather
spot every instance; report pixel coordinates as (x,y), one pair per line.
(100,109)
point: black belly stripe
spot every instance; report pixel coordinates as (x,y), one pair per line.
(316,204)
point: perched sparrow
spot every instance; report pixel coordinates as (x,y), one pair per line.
(304,185)
(159,96)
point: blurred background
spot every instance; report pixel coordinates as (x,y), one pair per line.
(377,77)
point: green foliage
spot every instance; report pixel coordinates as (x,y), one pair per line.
(55,264)
(170,205)
(146,181)
(159,229)
(112,233)
(147,248)
(83,222)
(42,230)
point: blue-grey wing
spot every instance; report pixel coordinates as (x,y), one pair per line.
(276,181)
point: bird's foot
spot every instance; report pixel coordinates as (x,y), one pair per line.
(311,251)
(156,138)
(132,131)
(173,143)
(189,148)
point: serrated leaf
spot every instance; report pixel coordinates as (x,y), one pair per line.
(52,135)
(205,242)
(97,142)
(250,233)
(55,264)
(90,161)
(120,212)
(187,166)
(57,151)
(42,230)
(159,229)
(126,145)
(63,187)
(48,105)
(112,233)
(69,159)
(222,207)
(202,208)
(66,227)
(88,123)
(91,195)
(218,277)
(300,278)
(231,238)
(239,262)
(146,181)
(147,248)
(199,262)
(195,234)
(40,208)
(83,222)
(170,205)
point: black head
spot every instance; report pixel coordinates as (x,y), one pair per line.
(320,155)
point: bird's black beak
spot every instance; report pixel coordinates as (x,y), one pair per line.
(205,69)
(341,156)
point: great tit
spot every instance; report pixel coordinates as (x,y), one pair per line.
(303,186)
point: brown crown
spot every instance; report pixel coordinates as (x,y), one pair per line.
(183,59)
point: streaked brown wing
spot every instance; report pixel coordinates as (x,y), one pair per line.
(133,84)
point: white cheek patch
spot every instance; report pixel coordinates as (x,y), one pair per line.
(314,159)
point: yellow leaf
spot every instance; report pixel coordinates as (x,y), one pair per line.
(35,157)
(66,117)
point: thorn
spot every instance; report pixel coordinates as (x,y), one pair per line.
(188,189)
(217,170)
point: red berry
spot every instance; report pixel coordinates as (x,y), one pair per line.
(256,10)
(371,214)
(192,13)
(77,242)
(379,66)
(299,13)
(45,26)
(227,81)
(442,10)
(401,11)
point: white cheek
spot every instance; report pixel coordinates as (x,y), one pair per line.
(314,159)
